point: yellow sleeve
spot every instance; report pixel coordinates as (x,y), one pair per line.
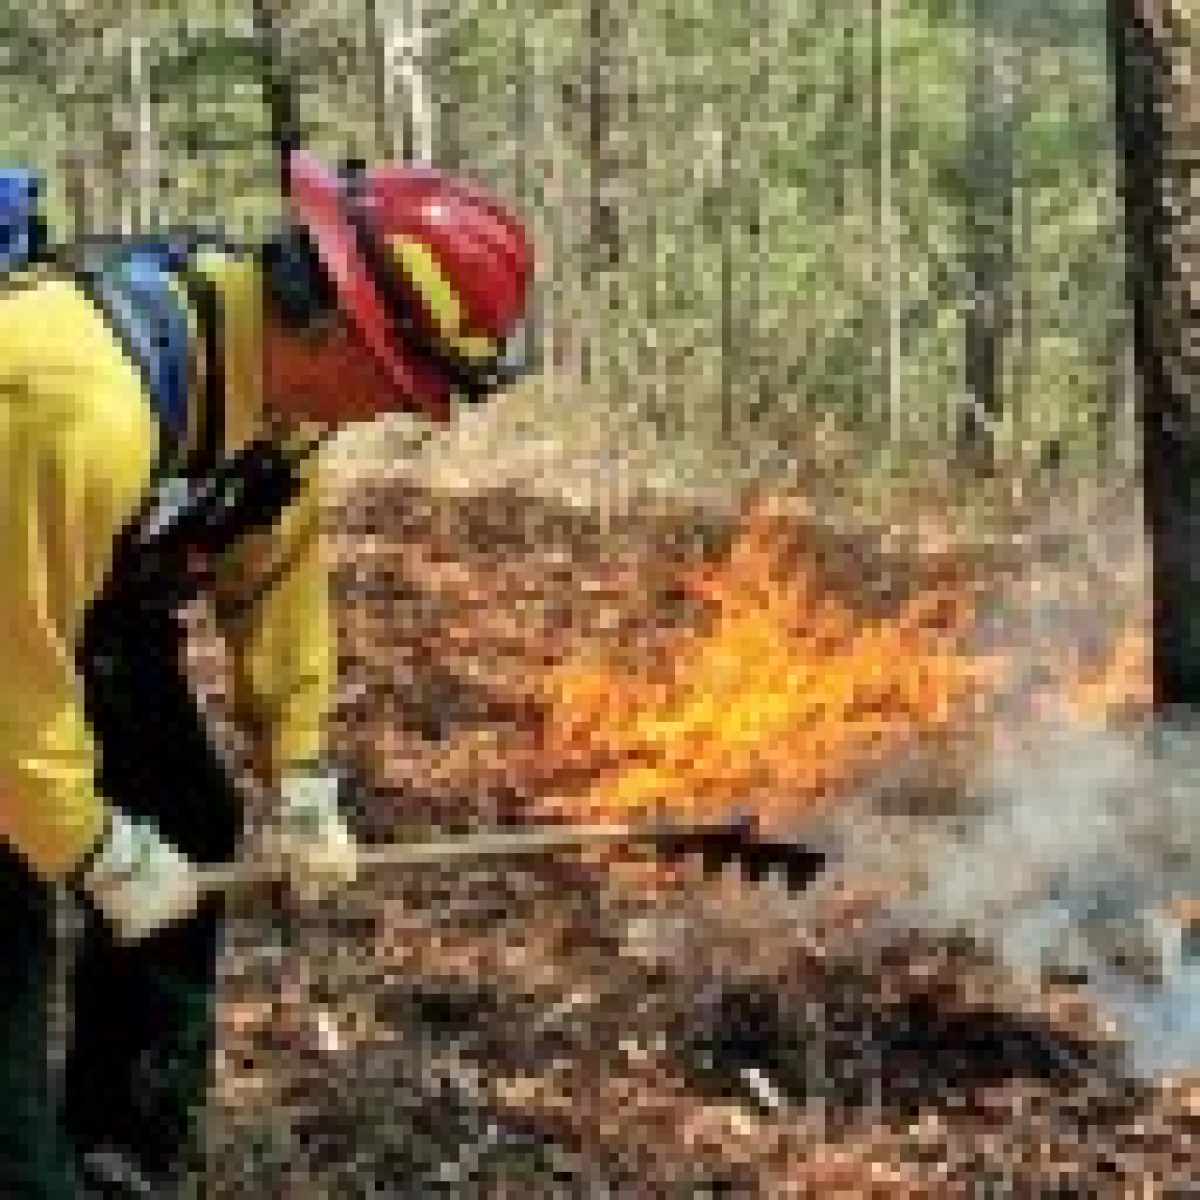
(284,656)
(77,445)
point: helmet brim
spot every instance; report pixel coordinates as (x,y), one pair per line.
(317,204)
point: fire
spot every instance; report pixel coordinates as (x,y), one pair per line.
(783,701)
(1122,683)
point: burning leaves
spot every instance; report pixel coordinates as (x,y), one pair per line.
(788,697)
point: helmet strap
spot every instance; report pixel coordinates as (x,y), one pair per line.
(299,289)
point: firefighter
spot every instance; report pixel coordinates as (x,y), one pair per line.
(388,289)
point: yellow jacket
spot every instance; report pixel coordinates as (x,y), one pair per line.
(78,442)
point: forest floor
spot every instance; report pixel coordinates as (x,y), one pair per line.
(588,1028)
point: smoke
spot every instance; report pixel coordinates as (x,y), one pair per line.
(1079,840)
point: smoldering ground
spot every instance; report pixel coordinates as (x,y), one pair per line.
(1068,860)
(1074,836)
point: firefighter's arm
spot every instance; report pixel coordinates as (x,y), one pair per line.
(284,675)
(77,444)
(283,649)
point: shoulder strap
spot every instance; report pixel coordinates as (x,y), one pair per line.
(206,304)
(144,291)
(23,233)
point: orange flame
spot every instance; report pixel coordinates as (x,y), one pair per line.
(1121,684)
(786,697)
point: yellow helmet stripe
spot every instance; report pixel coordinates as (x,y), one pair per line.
(443,302)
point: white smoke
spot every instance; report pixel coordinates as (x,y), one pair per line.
(1081,840)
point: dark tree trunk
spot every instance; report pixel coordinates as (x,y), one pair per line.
(1157,94)
(990,196)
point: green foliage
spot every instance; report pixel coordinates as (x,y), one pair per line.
(745,164)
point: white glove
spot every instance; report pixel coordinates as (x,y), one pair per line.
(140,882)
(309,838)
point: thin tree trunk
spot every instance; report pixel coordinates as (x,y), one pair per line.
(382,112)
(846,108)
(604,226)
(603,248)
(451,76)
(405,64)
(647,93)
(145,146)
(1023,239)
(728,317)
(76,61)
(1118,425)
(565,349)
(885,222)
(991,194)
(750,173)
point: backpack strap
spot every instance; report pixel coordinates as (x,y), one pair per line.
(23,233)
(144,292)
(199,499)
(206,304)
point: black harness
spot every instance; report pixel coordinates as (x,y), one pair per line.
(156,755)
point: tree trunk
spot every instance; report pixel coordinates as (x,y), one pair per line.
(407,59)
(884,206)
(1157,94)
(382,113)
(450,68)
(990,196)
(604,227)
(76,55)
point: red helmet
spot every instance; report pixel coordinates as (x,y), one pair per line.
(433,274)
